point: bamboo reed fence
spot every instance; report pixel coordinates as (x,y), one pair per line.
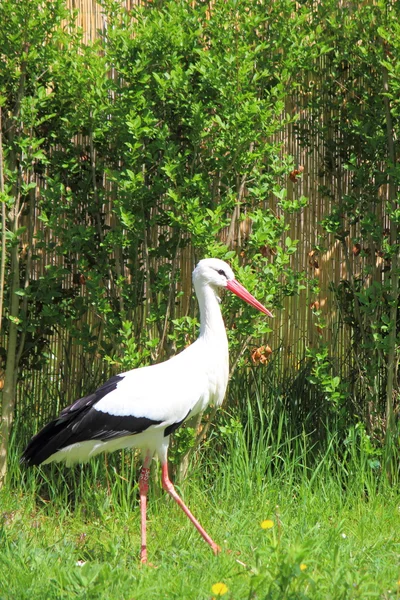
(69,374)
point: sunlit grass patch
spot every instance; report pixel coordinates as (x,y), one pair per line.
(48,552)
(293,524)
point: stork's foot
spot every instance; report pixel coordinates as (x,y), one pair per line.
(215,548)
(148,565)
(143,559)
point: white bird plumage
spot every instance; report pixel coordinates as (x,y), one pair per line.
(142,407)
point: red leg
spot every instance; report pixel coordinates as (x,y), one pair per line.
(143,490)
(168,487)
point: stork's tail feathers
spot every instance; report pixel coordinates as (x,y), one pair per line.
(64,429)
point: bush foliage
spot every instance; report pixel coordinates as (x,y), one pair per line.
(160,138)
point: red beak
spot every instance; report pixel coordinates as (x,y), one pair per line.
(235,287)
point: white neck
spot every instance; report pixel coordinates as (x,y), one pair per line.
(211,322)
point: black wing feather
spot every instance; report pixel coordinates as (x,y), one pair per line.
(80,422)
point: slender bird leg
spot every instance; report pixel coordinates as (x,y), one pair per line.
(168,487)
(143,490)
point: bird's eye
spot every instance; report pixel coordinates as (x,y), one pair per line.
(221,272)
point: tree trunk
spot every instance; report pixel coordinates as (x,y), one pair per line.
(10,379)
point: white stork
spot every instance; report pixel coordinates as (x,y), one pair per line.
(142,407)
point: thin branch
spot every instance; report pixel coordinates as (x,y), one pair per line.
(28,267)
(171,297)
(392,362)
(236,210)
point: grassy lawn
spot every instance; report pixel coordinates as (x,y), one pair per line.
(321,539)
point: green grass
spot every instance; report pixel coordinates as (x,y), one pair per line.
(337,517)
(350,545)
(76,533)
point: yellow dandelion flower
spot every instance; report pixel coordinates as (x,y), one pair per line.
(219,589)
(303,567)
(267,524)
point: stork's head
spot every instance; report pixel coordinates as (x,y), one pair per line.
(218,274)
